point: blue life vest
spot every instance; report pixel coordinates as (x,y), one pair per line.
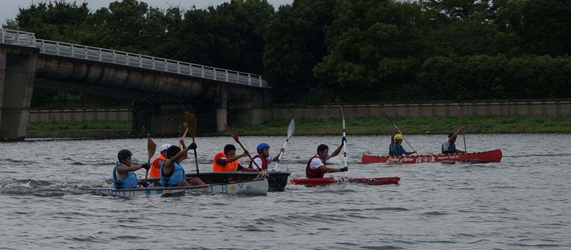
(177,175)
(396,150)
(451,149)
(129,182)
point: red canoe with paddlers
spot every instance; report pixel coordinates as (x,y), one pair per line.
(476,157)
(346,179)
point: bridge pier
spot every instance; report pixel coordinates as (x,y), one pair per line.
(17,74)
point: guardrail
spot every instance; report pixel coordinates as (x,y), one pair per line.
(48,47)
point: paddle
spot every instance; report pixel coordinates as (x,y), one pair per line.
(344,141)
(391,121)
(151,148)
(191,127)
(290,130)
(463,131)
(235,136)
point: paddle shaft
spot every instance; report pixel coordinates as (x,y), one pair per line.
(463,131)
(251,159)
(281,153)
(196,160)
(344,142)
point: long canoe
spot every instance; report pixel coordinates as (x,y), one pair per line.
(340,180)
(476,157)
(277,180)
(257,187)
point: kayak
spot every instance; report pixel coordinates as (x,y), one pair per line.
(277,180)
(340,180)
(476,157)
(256,187)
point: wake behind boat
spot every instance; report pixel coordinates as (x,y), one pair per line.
(340,180)
(476,157)
(255,187)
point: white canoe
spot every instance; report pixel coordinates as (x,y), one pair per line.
(256,187)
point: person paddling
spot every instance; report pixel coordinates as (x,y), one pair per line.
(124,174)
(172,173)
(227,160)
(317,165)
(449,146)
(263,158)
(396,148)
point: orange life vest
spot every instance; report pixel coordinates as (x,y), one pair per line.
(155,171)
(232,166)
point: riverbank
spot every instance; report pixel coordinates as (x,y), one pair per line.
(355,126)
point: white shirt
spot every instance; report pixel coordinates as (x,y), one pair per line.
(316,162)
(446,144)
(258,160)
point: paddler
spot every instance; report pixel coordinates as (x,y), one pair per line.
(317,165)
(263,158)
(172,173)
(227,160)
(155,171)
(124,174)
(449,146)
(396,148)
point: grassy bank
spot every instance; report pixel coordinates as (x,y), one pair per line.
(89,129)
(420,125)
(360,126)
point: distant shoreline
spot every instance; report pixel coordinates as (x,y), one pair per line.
(332,126)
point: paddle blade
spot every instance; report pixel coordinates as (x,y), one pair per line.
(231,131)
(388,117)
(151,147)
(190,120)
(343,117)
(290,129)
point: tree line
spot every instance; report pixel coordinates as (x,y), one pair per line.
(321,51)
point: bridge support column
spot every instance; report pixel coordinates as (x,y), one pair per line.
(142,117)
(17,74)
(252,109)
(222,109)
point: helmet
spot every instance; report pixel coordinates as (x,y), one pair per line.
(262,146)
(164,147)
(398,137)
(124,154)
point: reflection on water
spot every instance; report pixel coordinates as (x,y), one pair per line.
(522,202)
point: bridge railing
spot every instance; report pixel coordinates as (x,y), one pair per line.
(131,59)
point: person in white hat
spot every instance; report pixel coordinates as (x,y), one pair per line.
(155,171)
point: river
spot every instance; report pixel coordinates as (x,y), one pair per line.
(523,202)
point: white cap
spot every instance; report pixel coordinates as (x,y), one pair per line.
(165,147)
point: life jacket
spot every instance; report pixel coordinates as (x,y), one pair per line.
(451,148)
(129,181)
(155,171)
(264,163)
(176,176)
(225,168)
(396,150)
(314,173)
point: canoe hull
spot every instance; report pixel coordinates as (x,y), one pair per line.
(340,180)
(277,180)
(477,157)
(258,187)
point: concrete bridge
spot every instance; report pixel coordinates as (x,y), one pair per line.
(161,89)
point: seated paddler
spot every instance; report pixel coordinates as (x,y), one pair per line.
(155,171)
(396,148)
(317,165)
(263,159)
(172,173)
(124,174)
(449,145)
(227,160)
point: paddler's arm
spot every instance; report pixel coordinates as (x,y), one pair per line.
(395,131)
(332,170)
(337,151)
(123,170)
(235,157)
(170,162)
(182,145)
(278,155)
(453,137)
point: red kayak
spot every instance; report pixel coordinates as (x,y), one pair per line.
(476,157)
(338,180)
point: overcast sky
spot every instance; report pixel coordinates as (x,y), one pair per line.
(9,8)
